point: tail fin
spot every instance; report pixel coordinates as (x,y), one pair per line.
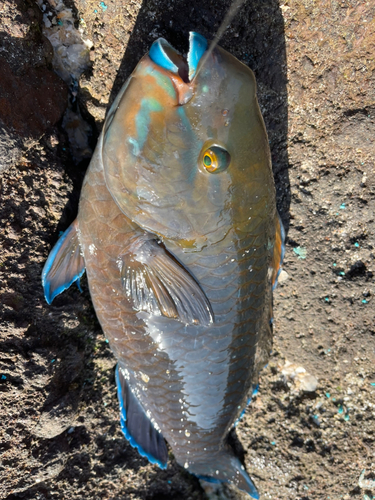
(224,468)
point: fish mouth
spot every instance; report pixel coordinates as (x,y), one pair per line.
(181,70)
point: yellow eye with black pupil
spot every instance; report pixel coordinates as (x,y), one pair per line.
(216,159)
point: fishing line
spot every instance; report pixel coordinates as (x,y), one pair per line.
(233,9)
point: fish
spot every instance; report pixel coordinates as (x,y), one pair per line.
(178,232)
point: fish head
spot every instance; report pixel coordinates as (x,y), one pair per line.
(185,151)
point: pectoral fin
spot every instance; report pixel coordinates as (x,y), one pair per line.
(64,265)
(136,425)
(158,283)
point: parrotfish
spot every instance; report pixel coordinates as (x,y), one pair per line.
(179,234)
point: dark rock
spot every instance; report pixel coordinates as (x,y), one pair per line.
(32,97)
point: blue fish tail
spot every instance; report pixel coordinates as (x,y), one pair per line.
(225,468)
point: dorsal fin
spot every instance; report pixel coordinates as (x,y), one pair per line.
(65,264)
(278,250)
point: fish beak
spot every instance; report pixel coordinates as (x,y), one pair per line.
(197,47)
(167,57)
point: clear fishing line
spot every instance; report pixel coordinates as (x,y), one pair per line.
(233,9)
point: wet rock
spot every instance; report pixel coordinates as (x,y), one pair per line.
(71,58)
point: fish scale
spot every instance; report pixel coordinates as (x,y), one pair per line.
(178,231)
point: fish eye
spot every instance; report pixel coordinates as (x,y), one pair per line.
(215,159)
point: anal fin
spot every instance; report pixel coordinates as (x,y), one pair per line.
(65,264)
(136,425)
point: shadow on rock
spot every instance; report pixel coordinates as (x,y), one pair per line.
(32,96)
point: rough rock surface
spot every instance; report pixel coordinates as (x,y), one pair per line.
(32,97)
(60,436)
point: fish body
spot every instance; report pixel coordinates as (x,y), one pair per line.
(178,232)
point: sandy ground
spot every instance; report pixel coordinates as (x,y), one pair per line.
(59,435)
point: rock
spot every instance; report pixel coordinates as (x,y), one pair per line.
(32,97)
(320,123)
(283,276)
(31,101)
(222,491)
(297,377)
